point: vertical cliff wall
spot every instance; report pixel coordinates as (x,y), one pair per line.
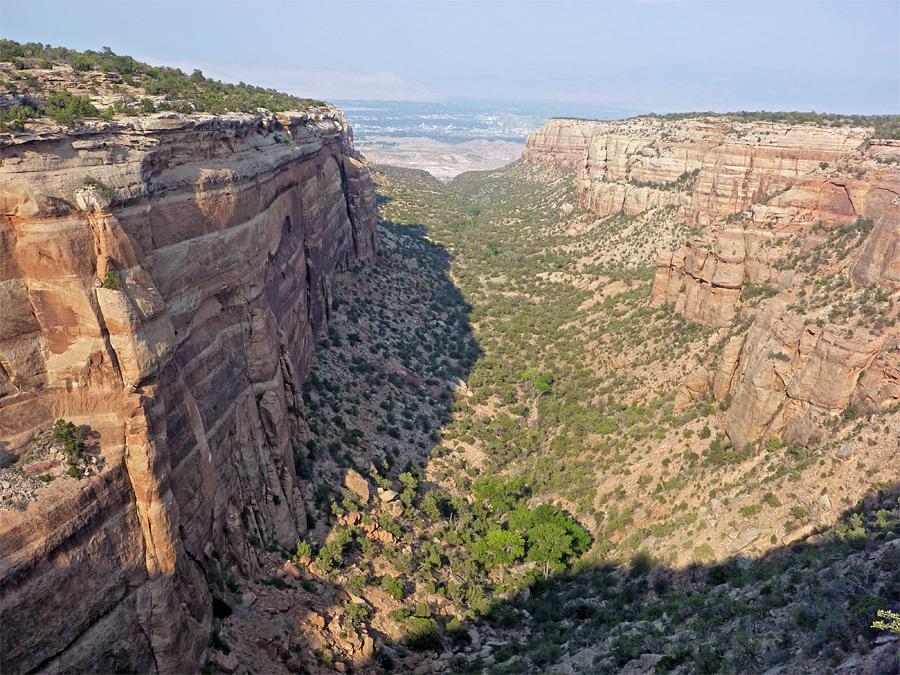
(562,142)
(223,235)
(800,240)
(707,167)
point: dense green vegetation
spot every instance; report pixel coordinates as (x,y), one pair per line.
(136,81)
(465,545)
(812,601)
(543,339)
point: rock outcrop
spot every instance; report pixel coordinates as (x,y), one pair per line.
(218,239)
(788,375)
(703,280)
(561,142)
(879,261)
(785,207)
(707,168)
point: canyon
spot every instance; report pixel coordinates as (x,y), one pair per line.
(590,411)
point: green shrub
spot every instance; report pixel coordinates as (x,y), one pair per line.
(99,186)
(422,634)
(69,438)
(67,109)
(356,614)
(704,552)
(771,500)
(303,550)
(641,563)
(111,281)
(393,587)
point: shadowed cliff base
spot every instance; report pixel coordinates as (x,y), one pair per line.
(381,386)
(807,607)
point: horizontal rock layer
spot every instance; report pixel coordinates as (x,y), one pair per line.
(758,187)
(633,165)
(787,375)
(703,279)
(225,233)
(562,142)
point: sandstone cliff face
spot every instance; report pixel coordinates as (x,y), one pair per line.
(703,280)
(561,142)
(794,368)
(225,233)
(787,376)
(780,203)
(634,165)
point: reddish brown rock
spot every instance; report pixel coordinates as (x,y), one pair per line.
(315,619)
(703,280)
(225,244)
(357,485)
(879,261)
(291,569)
(562,142)
(728,364)
(642,163)
(692,387)
(788,372)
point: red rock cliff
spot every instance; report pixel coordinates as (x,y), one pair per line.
(560,141)
(225,234)
(706,167)
(789,209)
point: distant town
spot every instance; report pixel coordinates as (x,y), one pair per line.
(450,137)
(458,120)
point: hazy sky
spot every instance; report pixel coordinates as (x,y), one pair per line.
(652,55)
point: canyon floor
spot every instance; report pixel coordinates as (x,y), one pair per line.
(429,381)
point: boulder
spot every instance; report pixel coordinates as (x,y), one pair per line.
(386,496)
(357,485)
(846,451)
(744,538)
(224,662)
(314,618)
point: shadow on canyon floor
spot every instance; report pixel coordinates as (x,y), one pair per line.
(811,602)
(809,605)
(384,582)
(805,607)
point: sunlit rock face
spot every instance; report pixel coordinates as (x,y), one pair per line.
(707,168)
(223,236)
(766,195)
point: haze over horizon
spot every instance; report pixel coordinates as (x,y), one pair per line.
(623,56)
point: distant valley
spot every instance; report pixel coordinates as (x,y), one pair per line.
(450,137)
